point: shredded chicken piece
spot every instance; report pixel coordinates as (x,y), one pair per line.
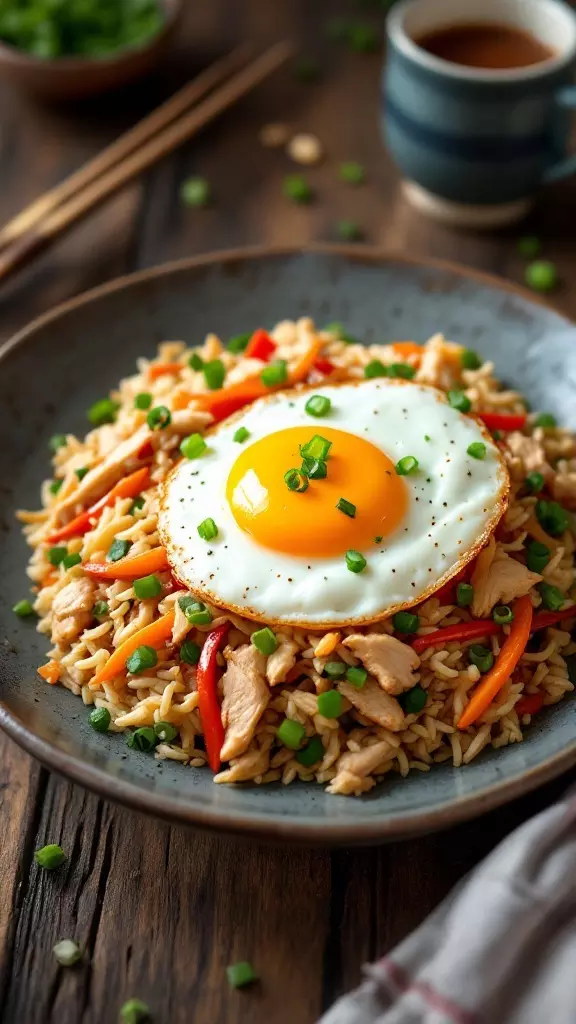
(564,488)
(498,579)
(123,459)
(281,661)
(374,703)
(72,610)
(530,452)
(190,421)
(254,762)
(353,766)
(246,697)
(181,625)
(391,661)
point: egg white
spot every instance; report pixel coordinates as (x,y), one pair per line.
(455,503)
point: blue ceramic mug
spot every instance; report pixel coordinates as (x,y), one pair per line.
(474,144)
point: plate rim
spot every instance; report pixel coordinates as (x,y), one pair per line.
(260,826)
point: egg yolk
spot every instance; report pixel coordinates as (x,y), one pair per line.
(308,523)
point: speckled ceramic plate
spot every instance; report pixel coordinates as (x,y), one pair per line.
(58,366)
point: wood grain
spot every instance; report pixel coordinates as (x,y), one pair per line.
(161,911)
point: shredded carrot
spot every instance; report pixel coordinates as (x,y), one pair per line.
(407,348)
(305,363)
(129,487)
(512,650)
(50,672)
(154,635)
(160,369)
(50,578)
(181,400)
(130,568)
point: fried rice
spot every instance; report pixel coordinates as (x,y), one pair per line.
(88,617)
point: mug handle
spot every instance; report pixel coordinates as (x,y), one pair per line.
(566,98)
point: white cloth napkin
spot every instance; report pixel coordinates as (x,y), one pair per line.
(501,949)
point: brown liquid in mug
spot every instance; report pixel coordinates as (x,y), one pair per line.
(485,45)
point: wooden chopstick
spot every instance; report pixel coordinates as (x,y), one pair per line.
(60,218)
(145,130)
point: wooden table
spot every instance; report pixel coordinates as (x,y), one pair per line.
(161,911)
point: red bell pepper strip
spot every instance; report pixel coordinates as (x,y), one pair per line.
(529,704)
(544,619)
(129,487)
(260,346)
(500,421)
(324,366)
(463,631)
(512,650)
(208,696)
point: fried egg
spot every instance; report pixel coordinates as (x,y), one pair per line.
(279,555)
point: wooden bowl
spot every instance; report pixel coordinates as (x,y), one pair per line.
(72,78)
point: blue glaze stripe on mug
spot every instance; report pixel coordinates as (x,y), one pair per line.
(478,136)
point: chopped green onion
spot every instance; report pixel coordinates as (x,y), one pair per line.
(330,704)
(55,486)
(136,505)
(537,556)
(57,441)
(190,652)
(100,610)
(290,733)
(357,676)
(407,465)
(56,555)
(196,612)
(196,362)
(458,400)
(375,368)
(214,373)
(413,701)
(239,343)
(50,857)
(335,669)
(464,595)
(534,482)
(241,435)
(427,437)
(274,373)
(402,370)
(99,719)
(406,622)
(159,417)
(352,173)
(314,469)
(296,187)
(118,549)
(552,598)
(355,562)
(195,192)
(71,560)
(241,974)
(264,640)
(103,411)
(67,952)
(470,360)
(134,1012)
(318,405)
(317,448)
(144,657)
(295,480)
(193,446)
(476,450)
(207,529)
(143,400)
(545,419)
(541,276)
(502,615)
(346,507)
(143,739)
(340,332)
(81,473)
(481,657)
(23,608)
(362,38)
(147,586)
(552,517)
(349,231)
(165,731)
(529,246)
(311,753)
